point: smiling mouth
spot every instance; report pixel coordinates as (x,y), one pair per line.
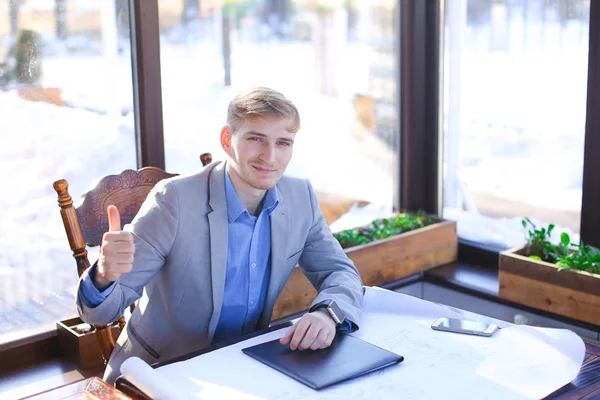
(263,170)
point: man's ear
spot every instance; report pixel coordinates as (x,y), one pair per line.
(226,139)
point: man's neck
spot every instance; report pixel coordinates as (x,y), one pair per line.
(250,197)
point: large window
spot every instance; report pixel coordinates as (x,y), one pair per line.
(333,59)
(514,103)
(66,106)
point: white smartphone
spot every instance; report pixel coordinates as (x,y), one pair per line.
(463,326)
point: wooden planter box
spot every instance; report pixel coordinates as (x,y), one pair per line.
(381,262)
(538,284)
(82,349)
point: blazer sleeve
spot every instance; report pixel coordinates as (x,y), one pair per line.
(328,268)
(154,230)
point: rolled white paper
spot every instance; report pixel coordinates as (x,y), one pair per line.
(149,380)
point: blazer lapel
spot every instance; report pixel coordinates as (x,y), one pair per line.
(279,235)
(218,226)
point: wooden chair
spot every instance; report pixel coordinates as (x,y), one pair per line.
(85,225)
(206,158)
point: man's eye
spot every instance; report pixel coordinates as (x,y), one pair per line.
(284,143)
(255,138)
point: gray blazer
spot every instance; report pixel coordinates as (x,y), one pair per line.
(178,275)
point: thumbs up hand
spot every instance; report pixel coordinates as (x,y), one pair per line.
(116,252)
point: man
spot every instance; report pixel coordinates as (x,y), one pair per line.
(208,254)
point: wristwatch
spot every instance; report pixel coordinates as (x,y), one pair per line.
(332,308)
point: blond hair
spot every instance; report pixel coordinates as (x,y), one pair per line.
(261,102)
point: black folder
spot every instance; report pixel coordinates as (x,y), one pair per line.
(346,358)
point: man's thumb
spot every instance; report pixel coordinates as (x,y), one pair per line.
(114,219)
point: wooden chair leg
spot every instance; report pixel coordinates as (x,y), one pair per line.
(105,340)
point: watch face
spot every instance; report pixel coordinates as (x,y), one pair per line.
(337,311)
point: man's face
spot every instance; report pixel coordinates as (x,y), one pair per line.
(260,150)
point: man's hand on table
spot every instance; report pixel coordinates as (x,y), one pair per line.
(314,331)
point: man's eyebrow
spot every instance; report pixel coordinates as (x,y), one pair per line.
(254,133)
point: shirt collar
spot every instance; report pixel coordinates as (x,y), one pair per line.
(235,207)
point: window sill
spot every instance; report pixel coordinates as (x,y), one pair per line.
(21,338)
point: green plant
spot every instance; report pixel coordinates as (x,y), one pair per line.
(385,227)
(566,255)
(538,242)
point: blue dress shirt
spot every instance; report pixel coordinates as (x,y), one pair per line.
(248,265)
(91,295)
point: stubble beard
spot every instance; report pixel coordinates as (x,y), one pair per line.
(257,184)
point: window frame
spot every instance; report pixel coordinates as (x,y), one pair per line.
(419,103)
(590,212)
(147,86)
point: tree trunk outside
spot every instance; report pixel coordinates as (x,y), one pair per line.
(226,32)
(13,13)
(60,18)
(190,11)
(122,18)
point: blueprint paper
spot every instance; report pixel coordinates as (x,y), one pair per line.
(518,362)
(530,362)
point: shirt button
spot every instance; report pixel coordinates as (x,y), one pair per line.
(253,265)
(251,303)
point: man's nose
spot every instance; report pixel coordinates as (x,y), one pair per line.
(268,154)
